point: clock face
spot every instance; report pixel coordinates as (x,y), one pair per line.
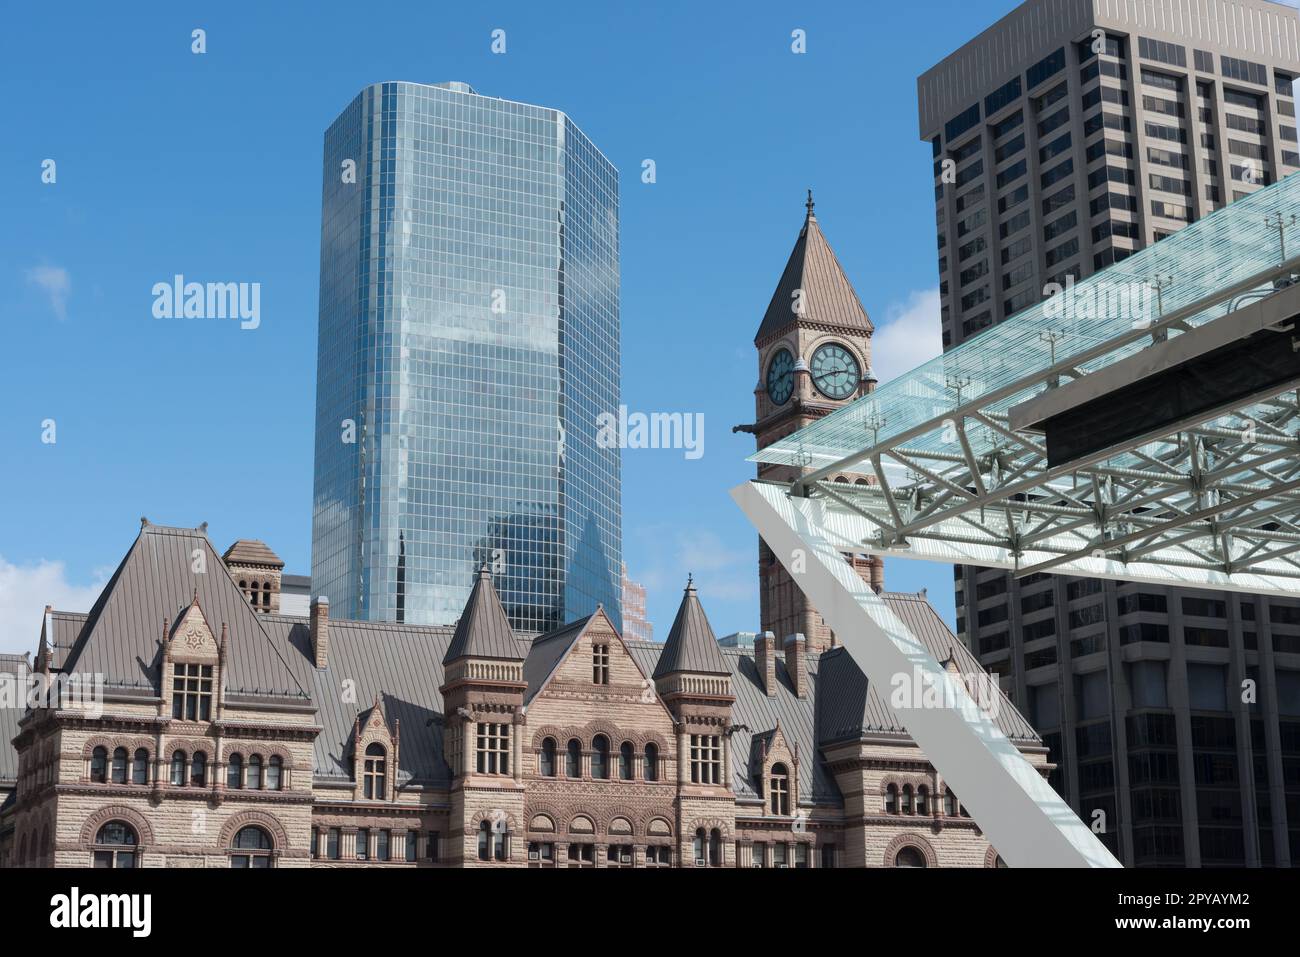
(780,377)
(835,372)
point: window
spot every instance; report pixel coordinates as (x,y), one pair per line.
(179,764)
(493,748)
(99,765)
(115,846)
(492,844)
(650,763)
(909,857)
(546,761)
(600,664)
(1048,66)
(274,767)
(381,844)
(949,803)
(779,790)
(922,800)
(1003,96)
(600,757)
(140,767)
(198,769)
(582,855)
(891,799)
(573,759)
(908,807)
(541,854)
(412,846)
(332,844)
(1235,69)
(363,844)
(658,856)
(119,766)
(255,772)
(431,846)
(1163,52)
(192,692)
(706,759)
(251,848)
(626,761)
(828,856)
(375,783)
(960,123)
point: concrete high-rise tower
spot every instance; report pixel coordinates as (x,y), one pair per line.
(469,343)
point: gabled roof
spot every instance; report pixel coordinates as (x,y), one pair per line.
(690,645)
(828,297)
(156,581)
(548,651)
(483,630)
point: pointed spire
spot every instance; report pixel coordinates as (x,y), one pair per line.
(483,630)
(691,645)
(825,294)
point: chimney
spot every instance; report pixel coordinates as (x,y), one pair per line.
(320,630)
(796,650)
(765,661)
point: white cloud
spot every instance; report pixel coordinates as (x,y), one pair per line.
(56,282)
(910,335)
(25,590)
(721,572)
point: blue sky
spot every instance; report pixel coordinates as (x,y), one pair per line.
(209,165)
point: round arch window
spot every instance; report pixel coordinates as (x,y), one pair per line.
(115,845)
(251,848)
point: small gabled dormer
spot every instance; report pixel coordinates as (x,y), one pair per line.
(777,770)
(375,749)
(190,675)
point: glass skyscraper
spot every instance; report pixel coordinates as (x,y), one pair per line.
(469,340)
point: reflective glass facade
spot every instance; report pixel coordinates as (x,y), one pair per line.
(469,339)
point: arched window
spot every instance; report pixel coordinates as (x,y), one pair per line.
(909,856)
(375,785)
(573,759)
(119,765)
(179,763)
(235,771)
(907,799)
(922,800)
(779,790)
(251,848)
(140,767)
(198,769)
(600,757)
(650,768)
(625,761)
(274,769)
(891,799)
(99,765)
(546,761)
(492,840)
(115,845)
(949,803)
(715,848)
(255,772)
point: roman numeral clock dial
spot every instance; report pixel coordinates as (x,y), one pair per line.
(835,372)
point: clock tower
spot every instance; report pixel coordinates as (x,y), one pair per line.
(814,357)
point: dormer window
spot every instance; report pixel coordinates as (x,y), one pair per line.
(779,790)
(600,664)
(192,692)
(376,773)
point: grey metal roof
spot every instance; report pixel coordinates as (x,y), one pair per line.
(122,636)
(828,296)
(548,651)
(403,663)
(847,706)
(690,645)
(483,630)
(65,627)
(10,665)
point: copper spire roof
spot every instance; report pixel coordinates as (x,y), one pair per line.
(483,630)
(828,296)
(691,645)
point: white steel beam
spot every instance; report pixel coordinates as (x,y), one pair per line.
(1028,823)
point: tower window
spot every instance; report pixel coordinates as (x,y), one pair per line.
(493,748)
(706,759)
(600,664)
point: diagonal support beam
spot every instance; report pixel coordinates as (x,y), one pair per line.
(1023,817)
